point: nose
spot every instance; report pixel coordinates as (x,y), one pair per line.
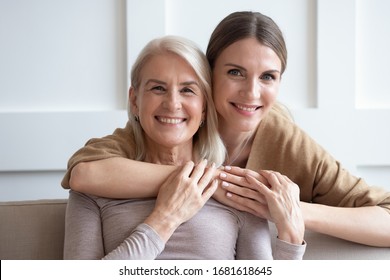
(172,101)
(252,89)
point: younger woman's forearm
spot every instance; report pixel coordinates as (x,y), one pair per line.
(119,178)
(366,225)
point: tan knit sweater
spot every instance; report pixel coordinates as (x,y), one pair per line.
(279,145)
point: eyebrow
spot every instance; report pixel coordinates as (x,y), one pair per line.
(242,68)
(155,81)
(186,83)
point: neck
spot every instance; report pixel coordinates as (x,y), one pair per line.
(177,155)
(238,146)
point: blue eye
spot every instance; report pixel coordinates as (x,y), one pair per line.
(268,77)
(235,72)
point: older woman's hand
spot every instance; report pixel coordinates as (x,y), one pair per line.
(268,195)
(181,196)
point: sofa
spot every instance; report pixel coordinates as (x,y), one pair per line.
(31,230)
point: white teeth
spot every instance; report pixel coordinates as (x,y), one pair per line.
(249,109)
(170,121)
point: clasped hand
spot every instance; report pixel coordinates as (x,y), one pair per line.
(181,196)
(266,194)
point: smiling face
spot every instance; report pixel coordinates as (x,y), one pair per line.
(246,78)
(169,101)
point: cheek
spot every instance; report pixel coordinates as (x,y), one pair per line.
(270,94)
(146,107)
(222,91)
(218,100)
(195,107)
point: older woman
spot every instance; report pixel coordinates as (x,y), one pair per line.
(172,121)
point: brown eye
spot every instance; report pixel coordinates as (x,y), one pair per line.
(188,91)
(158,89)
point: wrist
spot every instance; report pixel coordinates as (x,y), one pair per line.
(309,213)
(163,224)
(291,236)
(292,231)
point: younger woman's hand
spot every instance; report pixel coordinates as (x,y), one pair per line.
(269,195)
(181,196)
(235,190)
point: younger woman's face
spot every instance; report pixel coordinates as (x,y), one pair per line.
(246,79)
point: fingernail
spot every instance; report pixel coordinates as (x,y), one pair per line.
(228,167)
(222,175)
(228,194)
(225,184)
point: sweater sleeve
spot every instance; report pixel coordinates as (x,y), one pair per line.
(84,234)
(287,251)
(83,230)
(143,244)
(119,144)
(282,146)
(254,242)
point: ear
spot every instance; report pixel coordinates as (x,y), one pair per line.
(204,113)
(133,101)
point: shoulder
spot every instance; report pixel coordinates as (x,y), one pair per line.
(124,134)
(277,131)
(120,142)
(279,124)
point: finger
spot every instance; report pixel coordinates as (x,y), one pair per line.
(238,171)
(198,170)
(234,179)
(288,179)
(281,178)
(248,205)
(243,191)
(272,177)
(210,190)
(242,172)
(207,176)
(260,187)
(187,168)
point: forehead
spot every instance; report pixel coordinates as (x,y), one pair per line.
(249,51)
(167,65)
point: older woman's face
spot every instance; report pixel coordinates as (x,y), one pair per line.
(169,101)
(246,79)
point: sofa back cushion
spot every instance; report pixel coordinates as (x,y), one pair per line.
(32,230)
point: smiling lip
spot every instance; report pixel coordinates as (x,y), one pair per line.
(170,120)
(246,108)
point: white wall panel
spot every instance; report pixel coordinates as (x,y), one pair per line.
(62,55)
(372,58)
(44,141)
(359,138)
(31,185)
(63,80)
